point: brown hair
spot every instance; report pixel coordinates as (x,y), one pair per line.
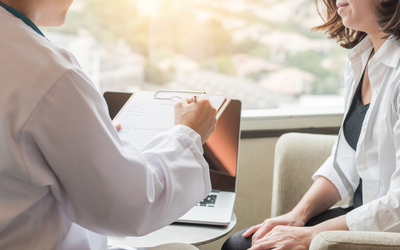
(388,13)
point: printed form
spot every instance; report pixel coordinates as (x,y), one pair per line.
(144,117)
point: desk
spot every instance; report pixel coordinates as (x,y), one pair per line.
(182,233)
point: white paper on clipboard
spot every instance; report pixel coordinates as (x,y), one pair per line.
(143,117)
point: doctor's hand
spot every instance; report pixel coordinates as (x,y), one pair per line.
(261,230)
(199,115)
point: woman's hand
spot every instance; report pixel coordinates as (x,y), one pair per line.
(295,237)
(284,232)
(288,232)
(320,197)
(199,115)
(259,231)
(286,238)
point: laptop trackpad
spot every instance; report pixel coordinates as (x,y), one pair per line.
(218,214)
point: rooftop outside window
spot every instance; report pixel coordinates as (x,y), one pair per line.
(259,51)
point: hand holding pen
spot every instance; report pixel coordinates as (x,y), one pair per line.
(198,114)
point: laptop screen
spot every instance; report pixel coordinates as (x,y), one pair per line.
(221,149)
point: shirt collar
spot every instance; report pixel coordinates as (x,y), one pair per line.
(21,16)
(360,48)
(388,53)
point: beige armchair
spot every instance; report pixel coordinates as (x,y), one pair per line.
(297,157)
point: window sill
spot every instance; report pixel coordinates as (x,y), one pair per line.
(287,119)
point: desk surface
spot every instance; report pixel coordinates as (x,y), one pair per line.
(183,233)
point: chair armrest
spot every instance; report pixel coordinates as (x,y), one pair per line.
(351,240)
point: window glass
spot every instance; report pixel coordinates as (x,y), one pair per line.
(259,51)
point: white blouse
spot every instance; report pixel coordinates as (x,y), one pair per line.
(66,178)
(377,159)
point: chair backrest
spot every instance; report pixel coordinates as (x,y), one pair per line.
(297,157)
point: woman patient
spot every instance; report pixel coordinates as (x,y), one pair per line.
(365,161)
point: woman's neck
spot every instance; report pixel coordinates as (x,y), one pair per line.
(378,39)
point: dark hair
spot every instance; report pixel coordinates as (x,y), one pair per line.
(388,13)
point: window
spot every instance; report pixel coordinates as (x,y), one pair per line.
(259,51)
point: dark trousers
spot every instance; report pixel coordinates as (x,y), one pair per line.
(238,242)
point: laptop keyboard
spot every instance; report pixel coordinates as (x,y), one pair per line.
(209,201)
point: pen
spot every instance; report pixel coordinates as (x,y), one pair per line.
(194,98)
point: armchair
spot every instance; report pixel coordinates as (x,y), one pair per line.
(297,157)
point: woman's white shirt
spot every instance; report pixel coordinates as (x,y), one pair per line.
(66,178)
(377,159)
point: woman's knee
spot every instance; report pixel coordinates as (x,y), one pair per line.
(237,242)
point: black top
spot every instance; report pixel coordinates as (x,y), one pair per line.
(352,129)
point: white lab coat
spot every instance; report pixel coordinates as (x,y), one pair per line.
(66,179)
(377,159)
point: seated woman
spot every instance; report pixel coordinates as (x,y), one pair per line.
(365,161)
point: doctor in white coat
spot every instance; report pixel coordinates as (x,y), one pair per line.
(66,179)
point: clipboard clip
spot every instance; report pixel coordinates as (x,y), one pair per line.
(156,94)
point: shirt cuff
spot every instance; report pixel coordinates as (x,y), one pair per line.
(361,219)
(196,138)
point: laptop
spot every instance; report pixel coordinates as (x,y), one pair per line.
(221,151)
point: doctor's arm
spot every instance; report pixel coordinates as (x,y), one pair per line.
(107,185)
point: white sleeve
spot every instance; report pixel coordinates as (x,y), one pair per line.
(103,184)
(192,134)
(328,171)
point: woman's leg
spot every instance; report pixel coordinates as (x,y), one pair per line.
(327,215)
(238,242)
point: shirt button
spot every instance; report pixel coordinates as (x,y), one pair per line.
(369,191)
(374,92)
(364,129)
(361,167)
(372,62)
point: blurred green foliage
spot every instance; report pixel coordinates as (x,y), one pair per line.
(326,81)
(220,63)
(176,29)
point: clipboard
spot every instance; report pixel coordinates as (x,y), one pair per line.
(147,114)
(180,94)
